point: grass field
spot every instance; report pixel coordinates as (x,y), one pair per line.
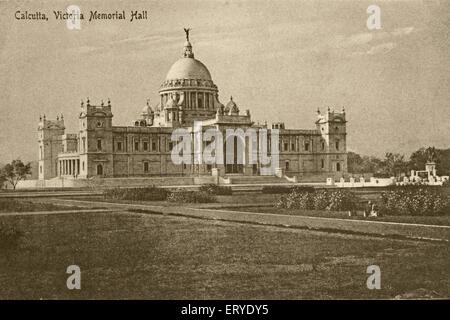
(13,205)
(160,257)
(428,220)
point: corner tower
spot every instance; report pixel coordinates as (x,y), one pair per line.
(333,129)
(49,140)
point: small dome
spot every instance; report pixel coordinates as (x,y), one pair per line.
(147,109)
(231,106)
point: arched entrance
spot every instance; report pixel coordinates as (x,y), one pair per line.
(232,164)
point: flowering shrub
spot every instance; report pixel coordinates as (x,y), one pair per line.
(136,194)
(216,190)
(336,200)
(415,201)
(191,197)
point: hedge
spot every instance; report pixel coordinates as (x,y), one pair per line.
(136,194)
(191,197)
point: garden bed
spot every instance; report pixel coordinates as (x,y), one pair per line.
(427,220)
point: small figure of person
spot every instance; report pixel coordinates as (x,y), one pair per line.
(368,209)
(374,210)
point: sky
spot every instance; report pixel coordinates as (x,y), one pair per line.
(281,59)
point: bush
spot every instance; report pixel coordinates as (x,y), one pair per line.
(336,200)
(415,201)
(191,197)
(9,237)
(446,183)
(136,194)
(216,190)
(285,189)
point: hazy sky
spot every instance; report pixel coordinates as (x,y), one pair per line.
(280,59)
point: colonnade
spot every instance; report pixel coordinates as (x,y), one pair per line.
(69,167)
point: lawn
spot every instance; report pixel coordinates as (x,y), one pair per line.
(126,255)
(13,205)
(428,220)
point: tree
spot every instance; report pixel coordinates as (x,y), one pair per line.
(394,164)
(2,179)
(363,164)
(16,171)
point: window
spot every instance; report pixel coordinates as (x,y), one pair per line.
(40,152)
(145,145)
(84,144)
(323,145)
(306,146)
(170,146)
(83,165)
(153,146)
(286,146)
(119,146)
(322,163)
(99,144)
(99,169)
(287,165)
(40,169)
(146,167)
(338,167)
(337,144)
(136,146)
(292,146)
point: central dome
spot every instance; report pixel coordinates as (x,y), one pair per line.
(188,68)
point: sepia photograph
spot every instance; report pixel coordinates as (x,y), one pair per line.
(218,150)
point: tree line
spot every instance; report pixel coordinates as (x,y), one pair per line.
(396,164)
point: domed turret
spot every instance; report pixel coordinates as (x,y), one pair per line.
(189,79)
(232,107)
(147,110)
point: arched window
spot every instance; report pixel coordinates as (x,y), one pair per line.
(99,169)
(337,144)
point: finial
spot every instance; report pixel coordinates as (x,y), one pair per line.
(328,109)
(231,98)
(40,118)
(148,102)
(62,117)
(88,102)
(102,104)
(44,116)
(318,110)
(57,117)
(82,103)
(109,102)
(343,109)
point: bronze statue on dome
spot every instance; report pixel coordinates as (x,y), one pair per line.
(187,33)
